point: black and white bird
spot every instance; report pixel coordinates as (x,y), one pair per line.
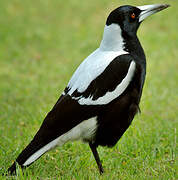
(103,95)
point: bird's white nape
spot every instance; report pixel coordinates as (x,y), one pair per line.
(112,38)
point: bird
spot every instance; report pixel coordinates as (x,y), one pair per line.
(102,97)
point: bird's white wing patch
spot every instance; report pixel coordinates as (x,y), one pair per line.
(90,68)
(83,131)
(109,96)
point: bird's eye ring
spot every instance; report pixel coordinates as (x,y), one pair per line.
(132,15)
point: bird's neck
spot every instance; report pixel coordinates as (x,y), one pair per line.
(112,39)
(133,46)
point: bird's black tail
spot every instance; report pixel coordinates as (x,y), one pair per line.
(37,147)
(30,150)
(12,169)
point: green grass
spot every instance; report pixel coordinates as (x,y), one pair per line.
(41,44)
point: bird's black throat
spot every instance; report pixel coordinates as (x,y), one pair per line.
(132,46)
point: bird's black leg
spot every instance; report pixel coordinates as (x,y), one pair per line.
(96,155)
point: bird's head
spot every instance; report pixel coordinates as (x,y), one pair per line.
(130,17)
(123,22)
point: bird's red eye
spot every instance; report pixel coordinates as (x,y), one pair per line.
(132,15)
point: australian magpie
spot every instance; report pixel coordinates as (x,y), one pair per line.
(103,95)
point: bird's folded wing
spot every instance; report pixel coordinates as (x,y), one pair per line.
(108,85)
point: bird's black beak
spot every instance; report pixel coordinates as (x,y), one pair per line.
(148,10)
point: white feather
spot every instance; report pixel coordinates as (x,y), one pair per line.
(92,67)
(83,131)
(109,96)
(112,39)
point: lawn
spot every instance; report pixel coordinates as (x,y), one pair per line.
(41,44)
